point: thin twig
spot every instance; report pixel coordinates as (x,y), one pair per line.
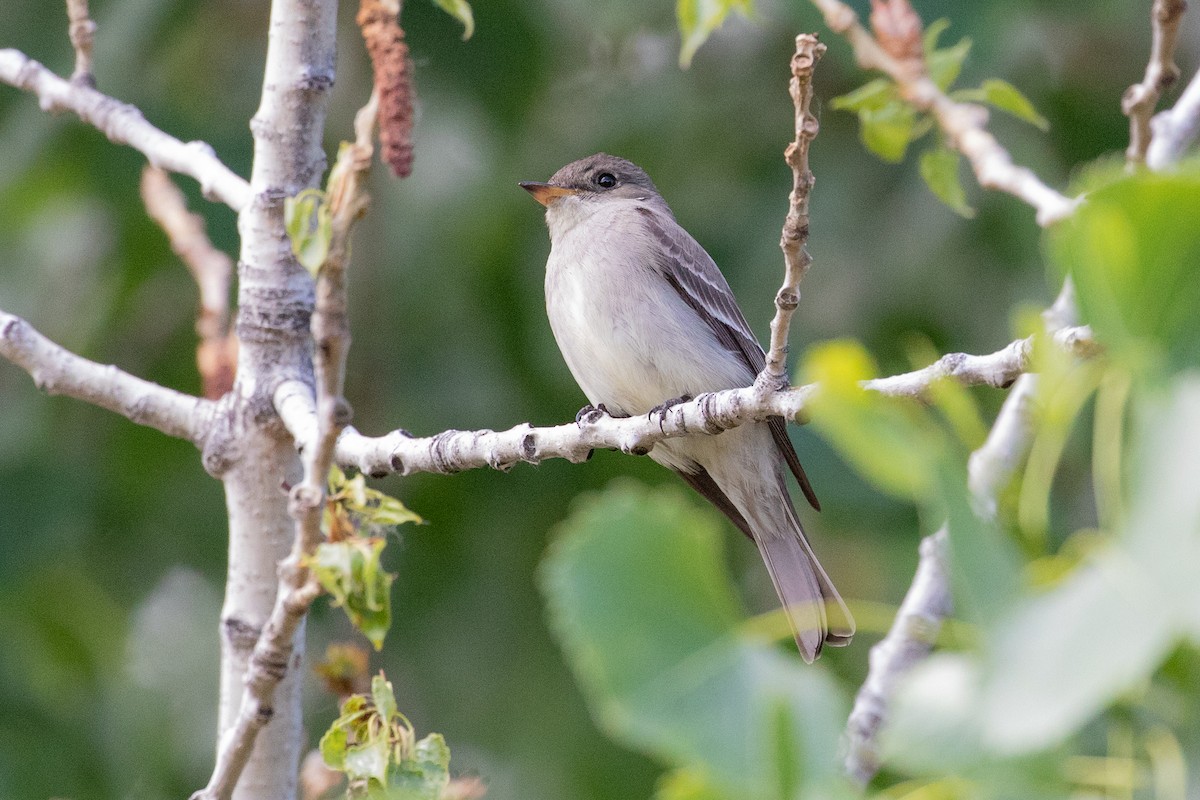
(794,240)
(82,32)
(56,370)
(216,353)
(124,124)
(1140,99)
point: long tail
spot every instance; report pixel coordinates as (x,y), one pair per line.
(816,611)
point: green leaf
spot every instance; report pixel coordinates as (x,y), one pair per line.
(939,169)
(384,697)
(934,726)
(886,131)
(879,436)
(422,775)
(686,784)
(697,20)
(333,746)
(645,611)
(369,760)
(945,65)
(1006,97)
(309,225)
(351,571)
(1133,248)
(873,95)
(461,11)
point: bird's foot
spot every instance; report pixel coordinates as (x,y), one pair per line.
(592,413)
(662,408)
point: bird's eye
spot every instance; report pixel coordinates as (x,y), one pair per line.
(606,180)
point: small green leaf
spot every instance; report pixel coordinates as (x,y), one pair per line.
(368,760)
(1006,97)
(697,20)
(461,11)
(310,227)
(887,131)
(933,32)
(351,572)
(333,746)
(687,784)
(384,697)
(423,774)
(945,65)
(872,95)
(939,169)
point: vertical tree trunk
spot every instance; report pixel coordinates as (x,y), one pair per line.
(252,453)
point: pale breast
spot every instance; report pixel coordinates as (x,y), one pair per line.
(628,338)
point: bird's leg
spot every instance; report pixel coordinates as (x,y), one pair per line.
(661,408)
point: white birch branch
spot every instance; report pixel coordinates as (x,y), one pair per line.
(710,413)
(124,124)
(1175,129)
(1140,99)
(82,32)
(56,370)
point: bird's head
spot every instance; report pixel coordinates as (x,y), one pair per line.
(593,180)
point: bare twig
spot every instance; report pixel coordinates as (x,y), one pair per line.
(710,413)
(124,124)
(1140,99)
(56,370)
(1175,129)
(297,590)
(82,31)
(963,124)
(216,354)
(794,240)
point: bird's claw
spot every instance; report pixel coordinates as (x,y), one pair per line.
(592,413)
(662,408)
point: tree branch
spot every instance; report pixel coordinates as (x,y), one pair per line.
(56,370)
(794,240)
(1175,129)
(928,600)
(82,32)
(216,353)
(124,124)
(963,124)
(1140,99)
(710,413)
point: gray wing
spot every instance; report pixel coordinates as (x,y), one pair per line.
(690,270)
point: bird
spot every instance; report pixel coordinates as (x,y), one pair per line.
(645,319)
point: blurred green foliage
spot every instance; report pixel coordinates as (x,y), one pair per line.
(113,536)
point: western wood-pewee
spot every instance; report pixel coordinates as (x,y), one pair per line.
(644,318)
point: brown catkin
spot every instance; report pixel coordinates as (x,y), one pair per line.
(393,80)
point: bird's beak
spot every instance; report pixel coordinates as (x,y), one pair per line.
(545,192)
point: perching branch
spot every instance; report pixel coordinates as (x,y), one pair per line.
(709,413)
(794,240)
(898,54)
(56,370)
(124,124)
(216,353)
(1140,99)
(1175,129)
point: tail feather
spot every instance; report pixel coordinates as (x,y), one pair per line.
(816,612)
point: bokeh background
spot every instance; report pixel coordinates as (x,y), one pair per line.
(112,542)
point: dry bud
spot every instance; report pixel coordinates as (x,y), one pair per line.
(897,29)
